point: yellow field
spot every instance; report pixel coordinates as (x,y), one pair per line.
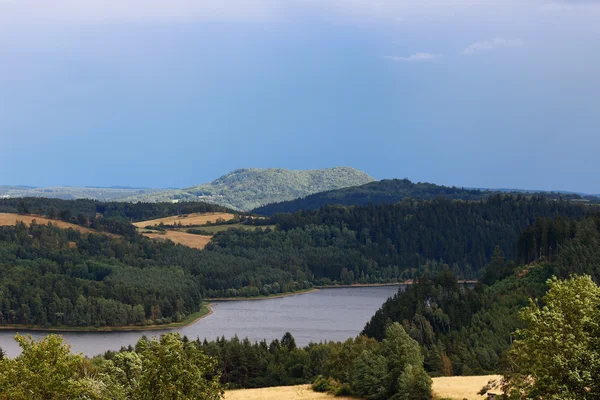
(454,387)
(461,387)
(302,392)
(11,219)
(188,219)
(186,239)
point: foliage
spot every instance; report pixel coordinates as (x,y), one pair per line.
(45,370)
(557,355)
(172,369)
(164,369)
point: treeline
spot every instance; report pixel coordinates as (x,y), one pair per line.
(113,217)
(377,370)
(55,277)
(386,191)
(466,331)
(390,191)
(409,234)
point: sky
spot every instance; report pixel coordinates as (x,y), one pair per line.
(174,93)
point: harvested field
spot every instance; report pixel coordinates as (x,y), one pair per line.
(461,387)
(187,219)
(302,392)
(11,219)
(178,237)
(454,387)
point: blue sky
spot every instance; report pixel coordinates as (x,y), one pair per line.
(175,93)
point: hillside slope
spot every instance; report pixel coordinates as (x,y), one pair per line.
(245,189)
(387,191)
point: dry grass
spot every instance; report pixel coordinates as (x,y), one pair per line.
(188,219)
(461,387)
(186,239)
(302,392)
(11,219)
(455,387)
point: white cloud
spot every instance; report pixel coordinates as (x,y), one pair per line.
(417,57)
(489,45)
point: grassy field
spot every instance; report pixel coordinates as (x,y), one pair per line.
(302,392)
(11,219)
(188,219)
(455,387)
(179,237)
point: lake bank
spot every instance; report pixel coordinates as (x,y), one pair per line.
(321,315)
(191,319)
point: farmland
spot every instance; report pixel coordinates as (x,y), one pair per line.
(301,392)
(7,219)
(179,237)
(187,219)
(453,387)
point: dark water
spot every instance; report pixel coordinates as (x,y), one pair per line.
(328,314)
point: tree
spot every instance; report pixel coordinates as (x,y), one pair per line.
(45,370)
(173,370)
(557,356)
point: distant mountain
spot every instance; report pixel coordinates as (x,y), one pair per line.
(245,189)
(74,192)
(380,192)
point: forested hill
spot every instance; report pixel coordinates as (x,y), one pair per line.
(55,277)
(467,332)
(387,191)
(245,189)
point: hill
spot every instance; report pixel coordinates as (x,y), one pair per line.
(245,189)
(390,191)
(387,191)
(74,192)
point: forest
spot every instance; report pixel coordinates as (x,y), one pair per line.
(390,191)
(51,277)
(465,331)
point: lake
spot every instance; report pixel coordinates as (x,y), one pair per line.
(328,314)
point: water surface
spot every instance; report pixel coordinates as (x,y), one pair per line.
(327,314)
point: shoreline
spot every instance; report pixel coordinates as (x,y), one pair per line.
(204,312)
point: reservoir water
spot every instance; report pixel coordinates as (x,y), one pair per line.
(328,314)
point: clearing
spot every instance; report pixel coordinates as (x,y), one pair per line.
(451,387)
(178,237)
(302,392)
(187,219)
(7,219)
(461,387)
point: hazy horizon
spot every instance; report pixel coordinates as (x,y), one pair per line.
(498,94)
